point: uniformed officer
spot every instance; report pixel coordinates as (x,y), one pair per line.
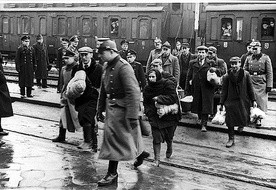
(120,99)
(86,104)
(25,66)
(260,68)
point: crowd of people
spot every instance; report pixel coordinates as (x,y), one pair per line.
(105,80)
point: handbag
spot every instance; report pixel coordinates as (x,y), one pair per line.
(145,127)
(219,117)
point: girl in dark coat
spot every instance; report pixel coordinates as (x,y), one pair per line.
(237,97)
(5,101)
(162,91)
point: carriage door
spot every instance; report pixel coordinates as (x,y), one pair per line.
(87,29)
(5,36)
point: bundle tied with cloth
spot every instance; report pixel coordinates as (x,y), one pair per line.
(76,85)
(165,109)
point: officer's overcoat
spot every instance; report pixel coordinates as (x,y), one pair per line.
(42,60)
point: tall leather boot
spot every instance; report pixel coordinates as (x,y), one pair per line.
(94,139)
(169,149)
(231,134)
(61,135)
(156,150)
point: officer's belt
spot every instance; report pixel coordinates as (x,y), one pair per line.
(115,96)
(256,73)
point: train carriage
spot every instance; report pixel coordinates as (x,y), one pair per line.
(230,26)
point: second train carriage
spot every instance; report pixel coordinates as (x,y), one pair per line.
(138,23)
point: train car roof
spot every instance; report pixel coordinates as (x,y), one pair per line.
(86,9)
(241,7)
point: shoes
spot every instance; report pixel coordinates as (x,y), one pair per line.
(30,96)
(230,143)
(58,139)
(258,124)
(203,129)
(23,96)
(108,179)
(2,133)
(139,160)
(169,150)
(85,146)
(240,129)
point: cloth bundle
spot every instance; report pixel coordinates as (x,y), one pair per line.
(219,117)
(76,85)
(256,113)
(165,109)
(213,78)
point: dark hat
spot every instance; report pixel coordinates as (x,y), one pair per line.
(68,53)
(85,49)
(108,45)
(131,52)
(124,42)
(212,49)
(235,59)
(167,45)
(74,38)
(202,48)
(25,38)
(39,36)
(65,40)
(185,44)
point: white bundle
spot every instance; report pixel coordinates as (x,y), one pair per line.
(219,117)
(187,99)
(213,78)
(256,113)
(165,109)
(76,85)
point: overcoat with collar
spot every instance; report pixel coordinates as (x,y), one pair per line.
(42,60)
(120,99)
(202,90)
(171,65)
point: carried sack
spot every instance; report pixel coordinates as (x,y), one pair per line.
(166,109)
(76,85)
(219,118)
(213,78)
(256,113)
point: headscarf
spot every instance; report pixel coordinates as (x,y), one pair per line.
(154,88)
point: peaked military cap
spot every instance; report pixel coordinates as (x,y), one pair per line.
(65,40)
(85,49)
(167,45)
(108,45)
(157,40)
(74,38)
(25,38)
(202,48)
(185,44)
(68,53)
(131,52)
(124,42)
(212,49)
(235,59)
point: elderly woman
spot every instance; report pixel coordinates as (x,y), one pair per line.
(158,92)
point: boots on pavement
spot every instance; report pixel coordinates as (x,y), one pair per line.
(157,149)
(61,135)
(231,134)
(169,149)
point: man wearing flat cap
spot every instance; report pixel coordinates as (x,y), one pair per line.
(184,58)
(237,96)
(86,104)
(138,69)
(155,53)
(201,89)
(42,60)
(74,42)
(259,67)
(170,63)
(123,52)
(120,98)
(25,62)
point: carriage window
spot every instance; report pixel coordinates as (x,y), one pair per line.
(134,28)
(42,26)
(176,6)
(26,25)
(5,22)
(254,26)
(123,28)
(61,26)
(69,26)
(226,28)
(105,27)
(144,28)
(239,28)
(114,26)
(32,25)
(86,26)
(94,26)
(267,30)
(214,28)
(12,25)
(154,28)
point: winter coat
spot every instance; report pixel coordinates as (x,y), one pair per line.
(171,65)
(237,97)
(5,99)
(120,99)
(154,54)
(164,90)
(42,60)
(184,60)
(25,64)
(139,73)
(201,90)
(260,69)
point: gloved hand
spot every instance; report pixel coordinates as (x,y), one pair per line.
(100,117)
(133,123)
(268,89)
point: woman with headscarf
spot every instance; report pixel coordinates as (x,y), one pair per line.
(160,91)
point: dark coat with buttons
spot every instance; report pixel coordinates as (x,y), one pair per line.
(5,99)
(139,73)
(42,60)
(25,63)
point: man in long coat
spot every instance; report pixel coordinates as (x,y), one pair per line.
(202,90)
(155,53)
(259,67)
(120,99)
(25,63)
(60,62)
(42,60)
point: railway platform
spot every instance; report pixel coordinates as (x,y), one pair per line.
(50,97)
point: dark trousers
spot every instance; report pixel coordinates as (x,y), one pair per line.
(44,82)
(22,91)
(231,132)
(204,119)
(112,167)
(90,134)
